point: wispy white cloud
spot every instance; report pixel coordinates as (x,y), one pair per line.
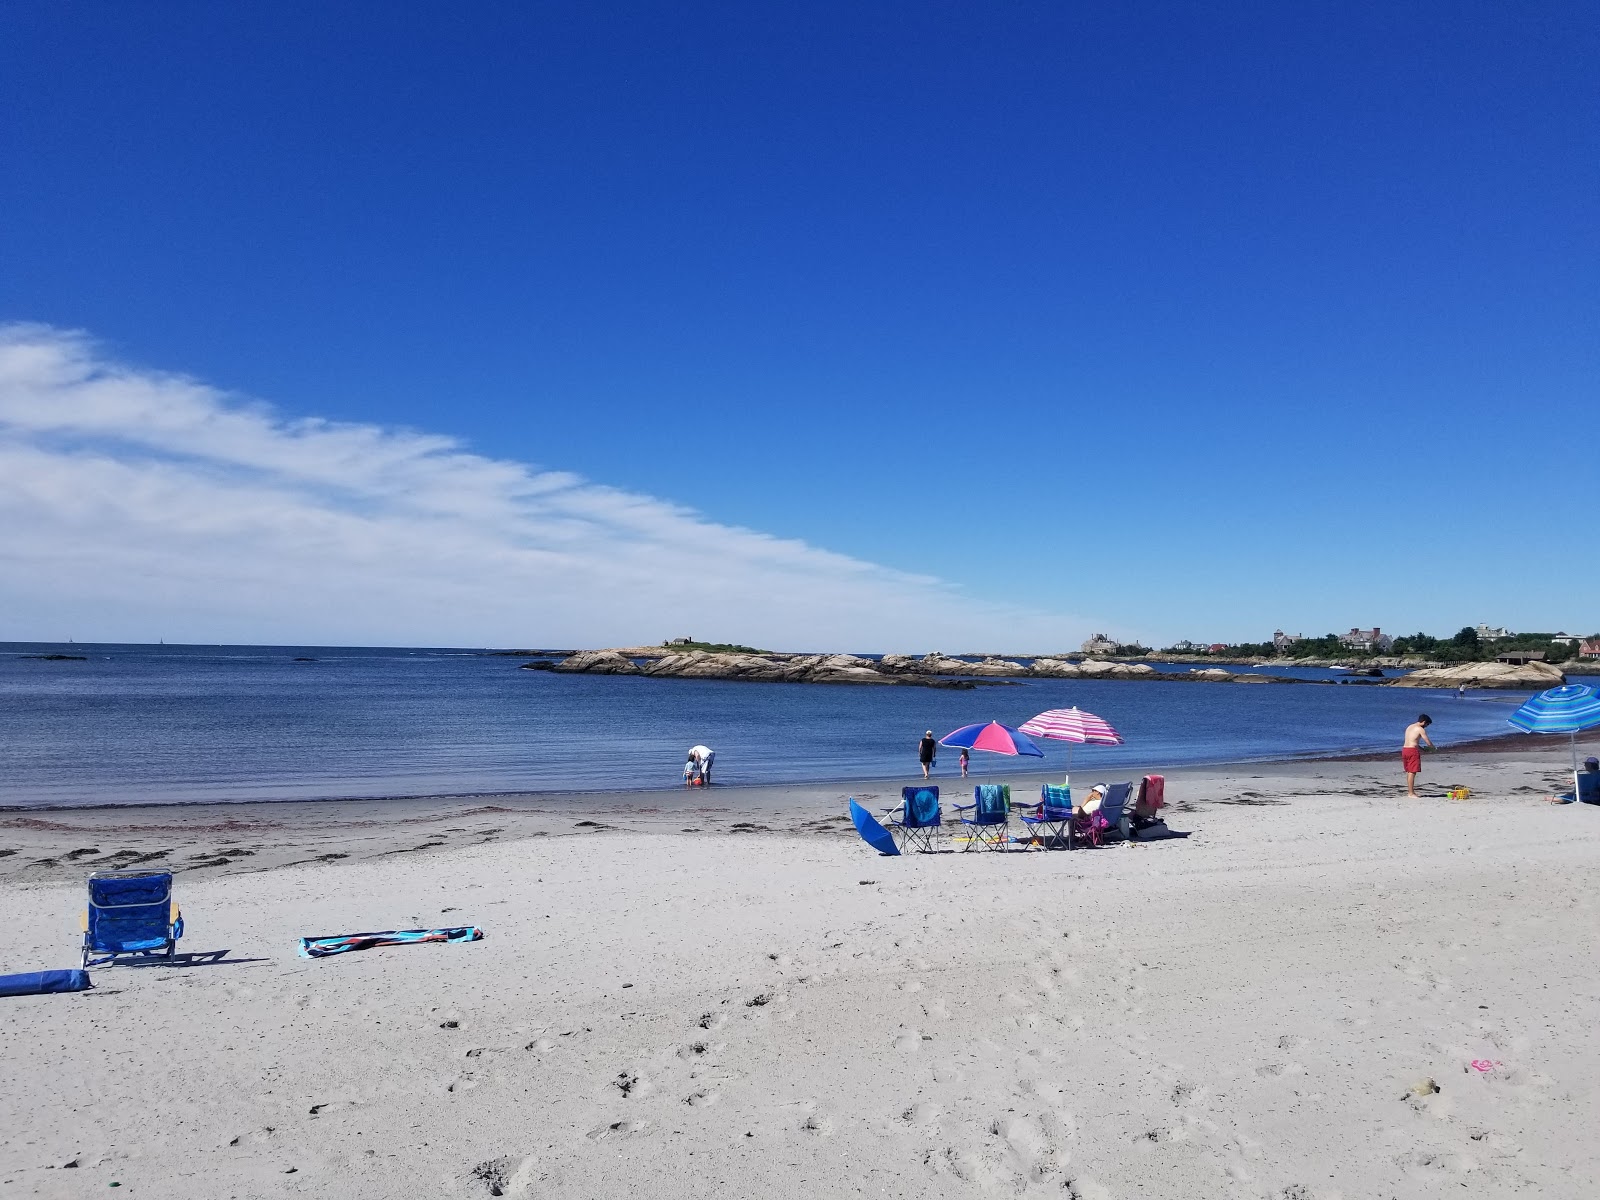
(137,504)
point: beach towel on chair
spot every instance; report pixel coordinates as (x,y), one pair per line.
(343,943)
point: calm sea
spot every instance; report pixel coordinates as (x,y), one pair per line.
(135,724)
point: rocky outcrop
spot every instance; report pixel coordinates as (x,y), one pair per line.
(932,670)
(782,668)
(1530,676)
(598,662)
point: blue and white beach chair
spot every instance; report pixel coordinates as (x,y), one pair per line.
(1050,824)
(919,815)
(130,913)
(987,826)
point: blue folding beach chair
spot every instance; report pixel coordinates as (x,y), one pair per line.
(1586,786)
(130,913)
(1050,824)
(987,827)
(919,815)
(1109,820)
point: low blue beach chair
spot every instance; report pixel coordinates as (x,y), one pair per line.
(918,816)
(1050,824)
(987,827)
(1586,787)
(130,913)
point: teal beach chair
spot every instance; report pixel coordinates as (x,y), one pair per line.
(987,827)
(130,913)
(1050,823)
(919,816)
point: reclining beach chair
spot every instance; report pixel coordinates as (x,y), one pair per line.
(988,825)
(1109,819)
(1147,805)
(130,913)
(1050,824)
(919,816)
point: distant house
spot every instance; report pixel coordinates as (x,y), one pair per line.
(1099,644)
(1281,641)
(1186,647)
(684,641)
(1520,657)
(1217,648)
(1490,633)
(1565,639)
(1369,641)
(1589,647)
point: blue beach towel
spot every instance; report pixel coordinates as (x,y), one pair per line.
(343,943)
(37,983)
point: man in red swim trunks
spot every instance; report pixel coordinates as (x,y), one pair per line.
(1411,752)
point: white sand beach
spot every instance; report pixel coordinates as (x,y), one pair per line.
(1325,990)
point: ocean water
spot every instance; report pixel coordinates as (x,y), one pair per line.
(136,724)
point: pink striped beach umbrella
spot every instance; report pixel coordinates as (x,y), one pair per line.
(1073,726)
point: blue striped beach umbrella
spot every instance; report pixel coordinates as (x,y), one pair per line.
(1565,709)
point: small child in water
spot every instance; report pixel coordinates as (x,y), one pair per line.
(965,757)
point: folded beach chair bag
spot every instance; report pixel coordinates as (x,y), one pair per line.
(130,913)
(1051,823)
(1147,806)
(1109,818)
(919,816)
(987,820)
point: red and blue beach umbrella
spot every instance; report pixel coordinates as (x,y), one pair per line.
(993,737)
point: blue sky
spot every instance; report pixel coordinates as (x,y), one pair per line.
(1171,320)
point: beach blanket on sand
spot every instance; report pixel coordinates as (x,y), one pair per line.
(343,943)
(35,983)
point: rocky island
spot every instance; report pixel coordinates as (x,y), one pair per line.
(942,671)
(931,670)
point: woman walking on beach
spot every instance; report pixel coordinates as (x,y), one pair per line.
(925,752)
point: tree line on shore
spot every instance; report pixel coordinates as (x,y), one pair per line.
(1463,646)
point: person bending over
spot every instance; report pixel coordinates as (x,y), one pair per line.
(700,760)
(1411,751)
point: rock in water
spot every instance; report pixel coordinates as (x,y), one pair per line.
(1533,676)
(598,662)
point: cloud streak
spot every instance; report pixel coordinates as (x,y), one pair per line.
(137,504)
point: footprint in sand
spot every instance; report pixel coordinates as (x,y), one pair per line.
(701,1099)
(617,1129)
(818,1124)
(712,1020)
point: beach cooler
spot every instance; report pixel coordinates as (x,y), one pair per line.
(130,913)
